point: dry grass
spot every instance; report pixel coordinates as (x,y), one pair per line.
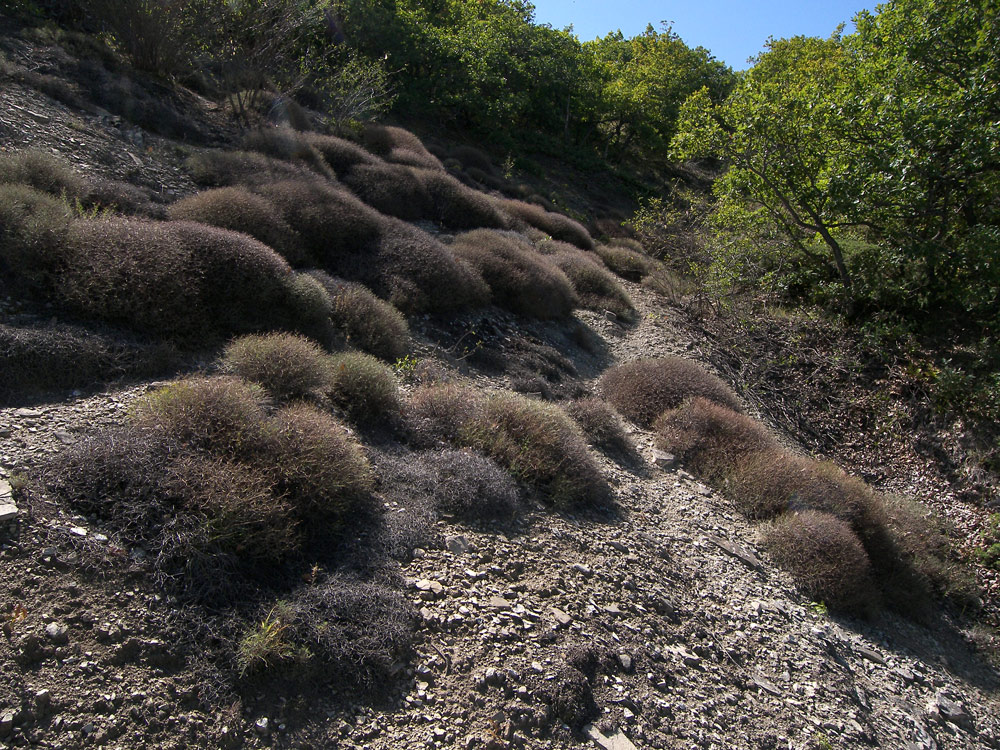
(555,225)
(520,279)
(825,558)
(364,388)
(710,439)
(283,364)
(643,389)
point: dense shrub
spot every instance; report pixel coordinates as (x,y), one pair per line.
(316,465)
(48,356)
(238,209)
(390,188)
(825,558)
(285,365)
(179,279)
(472,486)
(540,445)
(33,227)
(418,274)
(458,206)
(435,414)
(625,262)
(218,168)
(363,387)
(42,171)
(288,145)
(399,146)
(709,439)
(520,279)
(473,158)
(365,321)
(595,287)
(121,197)
(643,389)
(601,425)
(555,225)
(341,155)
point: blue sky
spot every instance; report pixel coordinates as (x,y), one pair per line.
(732,29)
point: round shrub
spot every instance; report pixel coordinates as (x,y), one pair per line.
(540,445)
(365,321)
(341,155)
(221,415)
(520,279)
(625,262)
(238,209)
(285,365)
(42,171)
(600,424)
(33,228)
(363,387)
(710,439)
(288,145)
(472,486)
(595,287)
(643,389)
(458,206)
(392,189)
(399,146)
(473,158)
(218,168)
(318,467)
(435,414)
(825,558)
(555,225)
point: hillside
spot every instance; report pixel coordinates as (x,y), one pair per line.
(357,440)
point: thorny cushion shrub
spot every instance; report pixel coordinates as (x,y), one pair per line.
(45,356)
(418,274)
(287,366)
(594,285)
(33,227)
(435,414)
(399,146)
(390,188)
(338,153)
(709,439)
(363,387)
(600,424)
(521,280)
(472,157)
(365,321)
(458,206)
(222,168)
(238,209)
(316,465)
(625,262)
(825,558)
(540,445)
(179,279)
(569,697)
(288,145)
(643,389)
(42,171)
(472,486)
(555,225)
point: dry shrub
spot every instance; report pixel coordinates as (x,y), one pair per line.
(179,279)
(458,206)
(223,168)
(625,262)
(43,172)
(288,145)
(48,356)
(334,226)
(285,365)
(540,445)
(392,189)
(365,321)
(643,389)
(122,197)
(601,425)
(238,209)
(825,558)
(221,415)
(555,225)
(594,285)
(521,280)
(709,439)
(355,631)
(316,466)
(418,274)
(667,284)
(569,697)
(473,158)
(472,486)
(364,388)
(399,146)
(435,414)
(341,155)
(33,228)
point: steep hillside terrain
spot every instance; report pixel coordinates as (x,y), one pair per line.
(499,585)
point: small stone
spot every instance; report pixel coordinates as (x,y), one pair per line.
(8,512)
(57,633)
(78,531)
(43,698)
(6,723)
(872,656)
(457,545)
(664,460)
(6,491)
(942,708)
(262,726)
(66,438)
(625,661)
(563,620)
(581,568)
(498,602)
